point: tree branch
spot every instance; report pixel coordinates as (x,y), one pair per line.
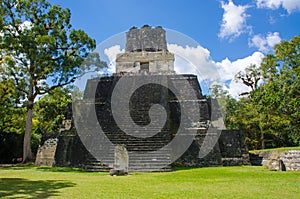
(18,83)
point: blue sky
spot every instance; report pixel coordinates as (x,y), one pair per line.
(231,33)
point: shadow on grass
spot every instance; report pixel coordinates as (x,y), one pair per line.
(39,168)
(16,166)
(23,188)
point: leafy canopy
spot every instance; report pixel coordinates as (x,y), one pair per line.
(40,47)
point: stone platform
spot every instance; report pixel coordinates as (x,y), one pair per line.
(230,148)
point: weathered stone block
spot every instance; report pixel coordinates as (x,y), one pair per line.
(146,39)
(275,160)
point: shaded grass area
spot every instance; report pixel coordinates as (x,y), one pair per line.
(277,149)
(24,188)
(213,182)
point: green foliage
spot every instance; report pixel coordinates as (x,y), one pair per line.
(278,149)
(12,123)
(51,109)
(221,95)
(40,51)
(12,116)
(270,115)
(42,44)
(281,78)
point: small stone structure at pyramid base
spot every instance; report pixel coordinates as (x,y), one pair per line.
(146,56)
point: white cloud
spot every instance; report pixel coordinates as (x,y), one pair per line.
(111,53)
(289,5)
(273,39)
(229,69)
(234,20)
(194,60)
(272,4)
(265,44)
(198,61)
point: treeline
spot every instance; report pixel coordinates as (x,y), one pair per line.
(48,115)
(40,52)
(269,114)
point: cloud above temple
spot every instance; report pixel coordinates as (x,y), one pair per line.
(228,69)
(289,5)
(265,43)
(111,54)
(194,60)
(233,21)
(198,61)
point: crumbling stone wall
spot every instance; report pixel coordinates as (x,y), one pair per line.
(46,151)
(271,159)
(146,39)
(233,148)
(230,150)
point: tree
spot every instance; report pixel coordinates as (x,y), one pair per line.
(43,51)
(273,106)
(281,72)
(221,95)
(250,77)
(51,109)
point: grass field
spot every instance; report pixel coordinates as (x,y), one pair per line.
(214,182)
(278,149)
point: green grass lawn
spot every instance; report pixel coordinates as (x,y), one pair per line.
(213,182)
(278,149)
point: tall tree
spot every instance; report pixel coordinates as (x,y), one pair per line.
(45,51)
(281,72)
(276,101)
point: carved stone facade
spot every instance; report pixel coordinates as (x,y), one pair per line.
(146,39)
(146,51)
(145,62)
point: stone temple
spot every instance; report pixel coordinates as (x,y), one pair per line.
(146,57)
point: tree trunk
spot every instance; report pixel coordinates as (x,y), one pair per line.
(262,138)
(27,154)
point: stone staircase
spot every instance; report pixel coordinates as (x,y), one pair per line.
(94,165)
(145,153)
